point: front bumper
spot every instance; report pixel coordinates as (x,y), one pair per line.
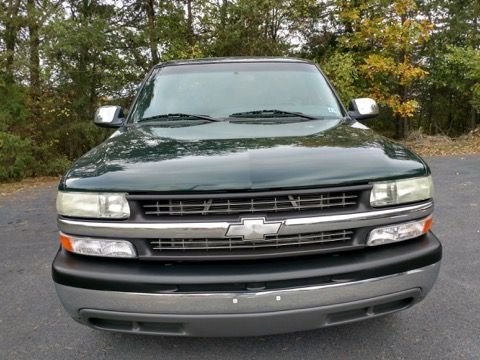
(360,285)
(247,314)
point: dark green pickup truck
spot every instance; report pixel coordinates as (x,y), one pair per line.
(239,197)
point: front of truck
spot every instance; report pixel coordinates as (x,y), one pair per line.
(240,198)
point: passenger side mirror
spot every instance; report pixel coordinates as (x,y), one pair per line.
(109,116)
(363,108)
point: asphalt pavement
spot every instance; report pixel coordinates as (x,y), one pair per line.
(446,325)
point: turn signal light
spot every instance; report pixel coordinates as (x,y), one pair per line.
(399,232)
(97,247)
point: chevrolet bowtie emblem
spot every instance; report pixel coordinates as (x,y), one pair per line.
(253,229)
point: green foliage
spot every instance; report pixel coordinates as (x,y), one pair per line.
(13,107)
(16,158)
(47,161)
(20,158)
(74,139)
(468,60)
(343,73)
(247,28)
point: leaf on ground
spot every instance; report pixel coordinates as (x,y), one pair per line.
(426,145)
(25,184)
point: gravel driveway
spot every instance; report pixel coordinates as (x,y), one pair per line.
(33,325)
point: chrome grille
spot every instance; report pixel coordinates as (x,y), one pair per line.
(249,204)
(319,239)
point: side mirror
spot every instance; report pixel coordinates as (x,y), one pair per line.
(363,108)
(109,116)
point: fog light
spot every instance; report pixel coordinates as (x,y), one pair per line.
(399,232)
(97,247)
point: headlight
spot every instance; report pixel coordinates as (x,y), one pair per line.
(93,205)
(399,232)
(401,191)
(98,247)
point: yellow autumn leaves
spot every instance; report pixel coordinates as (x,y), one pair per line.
(385,35)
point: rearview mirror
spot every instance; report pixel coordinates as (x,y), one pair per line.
(363,108)
(109,116)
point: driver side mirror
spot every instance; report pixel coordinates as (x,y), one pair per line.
(109,116)
(363,108)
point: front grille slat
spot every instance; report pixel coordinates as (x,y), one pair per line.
(230,245)
(256,203)
(230,211)
(250,205)
(343,237)
(235,207)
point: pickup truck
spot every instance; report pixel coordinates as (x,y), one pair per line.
(239,197)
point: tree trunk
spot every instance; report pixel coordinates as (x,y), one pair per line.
(223,14)
(190,33)
(402,122)
(473,119)
(400,126)
(348,26)
(12,25)
(34,60)
(150,9)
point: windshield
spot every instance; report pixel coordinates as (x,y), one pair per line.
(221,90)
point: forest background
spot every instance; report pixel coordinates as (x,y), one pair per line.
(60,60)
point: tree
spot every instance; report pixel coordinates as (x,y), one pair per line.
(11,21)
(446,93)
(59,60)
(385,37)
(247,28)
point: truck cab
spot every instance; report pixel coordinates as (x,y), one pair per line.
(240,197)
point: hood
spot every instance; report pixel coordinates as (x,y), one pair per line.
(238,156)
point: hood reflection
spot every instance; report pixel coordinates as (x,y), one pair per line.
(146,159)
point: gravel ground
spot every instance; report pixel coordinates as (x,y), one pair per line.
(33,324)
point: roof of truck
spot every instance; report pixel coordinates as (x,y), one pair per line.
(236,59)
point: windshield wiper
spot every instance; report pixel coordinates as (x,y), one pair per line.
(272,114)
(179,116)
